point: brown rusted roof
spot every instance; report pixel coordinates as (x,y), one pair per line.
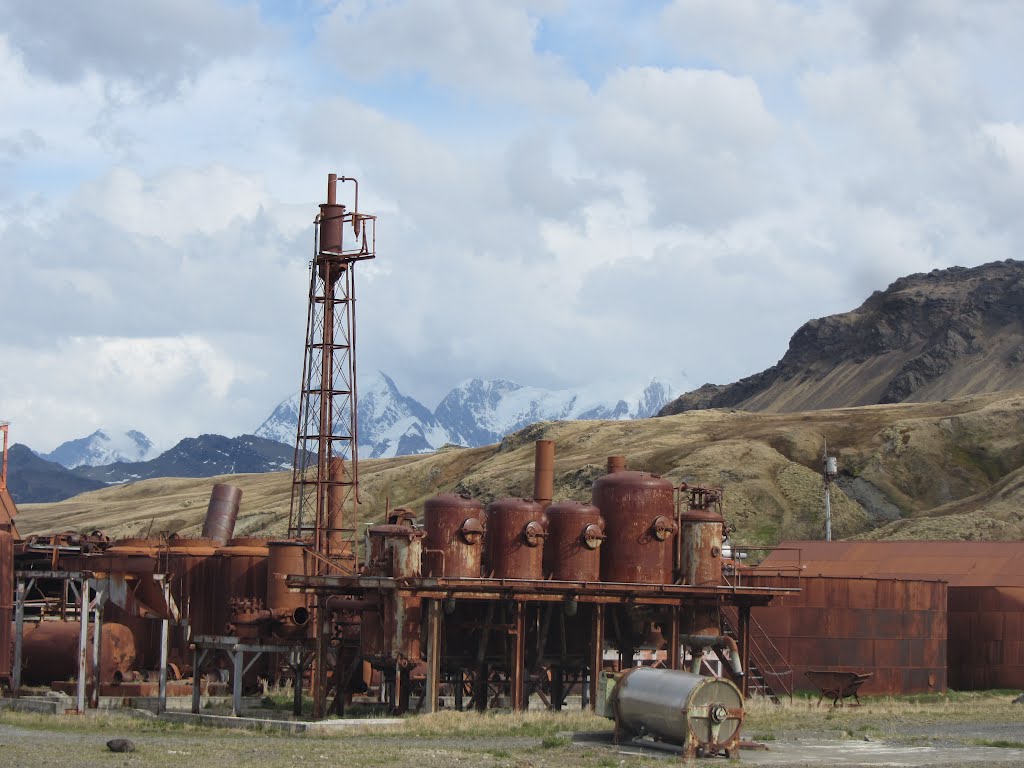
(961,563)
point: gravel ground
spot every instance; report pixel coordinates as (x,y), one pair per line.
(870,737)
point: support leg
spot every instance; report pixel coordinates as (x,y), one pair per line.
(596,654)
(744,645)
(83,643)
(165,631)
(197,677)
(19,634)
(674,644)
(433,686)
(97,635)
(236,682)
(519,659)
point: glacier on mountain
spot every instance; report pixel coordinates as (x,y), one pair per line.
(474,413)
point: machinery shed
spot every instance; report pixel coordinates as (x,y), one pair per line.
(985,596)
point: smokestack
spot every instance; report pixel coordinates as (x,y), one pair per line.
(544,472)
(616,464)
(222,513)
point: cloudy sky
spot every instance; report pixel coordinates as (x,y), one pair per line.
(568,192)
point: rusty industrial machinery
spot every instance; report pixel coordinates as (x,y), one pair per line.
(469,606)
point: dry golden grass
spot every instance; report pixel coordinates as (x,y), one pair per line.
(954,468)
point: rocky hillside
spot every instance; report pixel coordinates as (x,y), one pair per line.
(933,336)
(948,469)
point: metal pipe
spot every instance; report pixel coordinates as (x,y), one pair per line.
(718,642)
(221,513)
(616,464)
(544,472)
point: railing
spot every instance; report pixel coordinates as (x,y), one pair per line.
(759,660)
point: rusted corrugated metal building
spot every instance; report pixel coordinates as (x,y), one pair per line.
(985,598)
(892,628)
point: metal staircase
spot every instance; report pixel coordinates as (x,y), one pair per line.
(768,673)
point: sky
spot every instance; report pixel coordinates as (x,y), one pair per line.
(569,193)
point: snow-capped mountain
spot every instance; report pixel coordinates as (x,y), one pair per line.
(479,412)
(476,412)
(390,423)
(102,447)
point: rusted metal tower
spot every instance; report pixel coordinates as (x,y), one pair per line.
(325,478)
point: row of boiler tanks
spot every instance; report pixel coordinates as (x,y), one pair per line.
(633,531)
(638,529)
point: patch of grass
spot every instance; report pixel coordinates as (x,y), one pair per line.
(763,736)
(551,742)
(452,724)
(1002,743)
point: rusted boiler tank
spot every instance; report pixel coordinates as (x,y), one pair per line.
(516,529)
(454,526)
(285,557)
(50,651)
(702,535)
(390,629)
(639,514)
(572,548)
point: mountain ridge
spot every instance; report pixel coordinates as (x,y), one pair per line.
(928,336)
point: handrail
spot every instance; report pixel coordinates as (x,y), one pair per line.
(757,654)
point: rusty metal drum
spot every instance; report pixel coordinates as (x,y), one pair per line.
(453,546)
(572,550)
(6,601)
(516,529)
(638,510)
(50,651)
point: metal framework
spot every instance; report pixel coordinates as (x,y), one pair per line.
(325,478)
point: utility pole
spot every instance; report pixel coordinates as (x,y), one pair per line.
(830,471)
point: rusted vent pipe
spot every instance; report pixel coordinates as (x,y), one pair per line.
(222,513)
(544,472)
(616,464)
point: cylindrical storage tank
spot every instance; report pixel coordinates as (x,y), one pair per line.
(639,511)
(701,714)
(242,573)
(221,513)
(453,546)
(6,602)
(285,558)
(49,651)
(515,538)
(572,549)
(702,535)
(192,574)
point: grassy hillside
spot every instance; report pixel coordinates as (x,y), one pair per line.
(951,469)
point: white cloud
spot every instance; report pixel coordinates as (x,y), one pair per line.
(548,200)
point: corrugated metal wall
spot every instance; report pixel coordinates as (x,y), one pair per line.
(892,628)
(986,637)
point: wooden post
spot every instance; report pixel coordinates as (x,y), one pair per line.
(19,634)
(165,630)
(237,657)
(97,638)
(674,641)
